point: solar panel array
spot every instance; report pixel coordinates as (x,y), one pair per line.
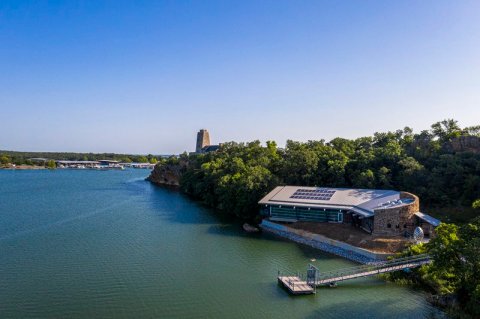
(316,194)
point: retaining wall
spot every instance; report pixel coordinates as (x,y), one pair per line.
(324,243)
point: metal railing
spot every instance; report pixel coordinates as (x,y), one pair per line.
(370,270)
(333,276)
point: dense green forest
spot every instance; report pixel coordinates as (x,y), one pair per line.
(24,158)
(440,165)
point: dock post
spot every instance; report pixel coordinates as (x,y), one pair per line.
(312,277)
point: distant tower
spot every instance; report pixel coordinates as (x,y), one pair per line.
(203,139)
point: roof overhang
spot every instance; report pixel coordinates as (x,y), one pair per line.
(77,162)
(428,219)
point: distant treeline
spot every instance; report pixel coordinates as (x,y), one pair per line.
(441,165)
(24,158)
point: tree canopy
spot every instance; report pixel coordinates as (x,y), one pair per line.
(456,260)
(236,176)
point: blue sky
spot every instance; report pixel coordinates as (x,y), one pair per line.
(144,76)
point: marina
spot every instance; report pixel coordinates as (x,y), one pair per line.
(101,165)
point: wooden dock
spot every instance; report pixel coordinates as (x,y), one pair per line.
(295,285)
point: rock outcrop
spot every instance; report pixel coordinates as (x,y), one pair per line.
(167,174)
(464,144)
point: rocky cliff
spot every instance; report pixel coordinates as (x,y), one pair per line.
(167,174)
(464,144)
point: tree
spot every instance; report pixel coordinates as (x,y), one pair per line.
(469,290)
(472,130)
(412,175)
(51,164)
(300,164)
(456,259)
(398,160)
(384,178)
(444,251)
(366,179)
(446,130)
(4,159)
(476,204)
(331,166)
(143,159)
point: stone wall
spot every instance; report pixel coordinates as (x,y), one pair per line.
(396,220)
(328,245)
(428,230)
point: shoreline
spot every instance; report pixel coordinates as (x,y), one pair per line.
(355,254)
(24,167)
(325,244)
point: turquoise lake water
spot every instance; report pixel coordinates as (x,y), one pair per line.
(107,244)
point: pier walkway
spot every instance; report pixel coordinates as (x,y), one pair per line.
(307,283)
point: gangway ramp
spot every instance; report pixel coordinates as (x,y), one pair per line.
(315,278)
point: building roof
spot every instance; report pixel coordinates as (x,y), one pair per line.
(76,162)
(361,201)
(429,219)
(210,148)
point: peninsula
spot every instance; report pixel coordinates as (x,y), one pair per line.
(439,166)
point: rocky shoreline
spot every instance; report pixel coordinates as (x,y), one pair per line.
(167,174)
(325,244)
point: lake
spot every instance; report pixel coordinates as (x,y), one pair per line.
(107,244)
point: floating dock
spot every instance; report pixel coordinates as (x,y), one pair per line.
(295,285)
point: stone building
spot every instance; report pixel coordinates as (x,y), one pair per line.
(203,139)
(397,218)
(385,212)
(203,143)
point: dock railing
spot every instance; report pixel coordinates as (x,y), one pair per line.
(370,270)
(315,278)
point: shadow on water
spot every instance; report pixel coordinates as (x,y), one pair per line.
(234,229)
(179,208)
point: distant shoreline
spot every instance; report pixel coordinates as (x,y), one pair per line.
(23,167)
